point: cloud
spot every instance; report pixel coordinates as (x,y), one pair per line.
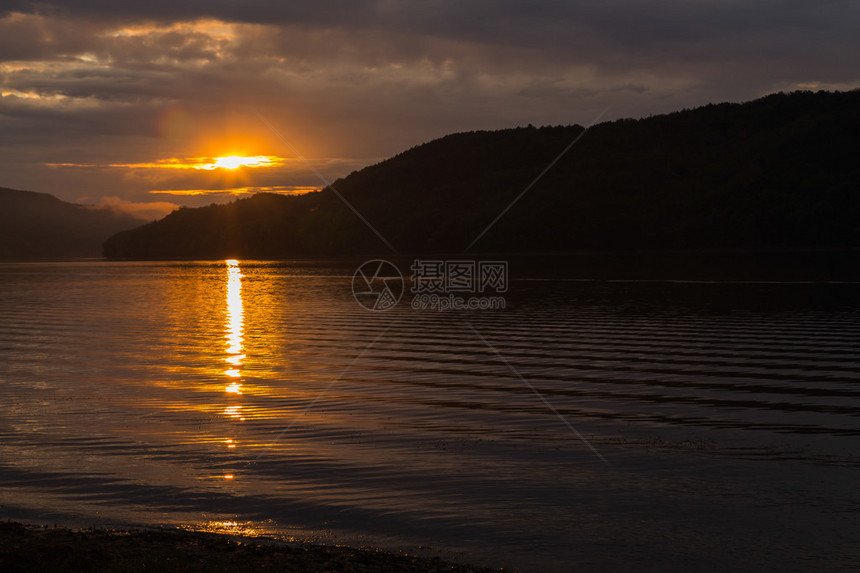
(203,175)
(148,211)
(238,191)
(195,163)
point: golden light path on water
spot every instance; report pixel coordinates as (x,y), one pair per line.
(234,326)
(235,344)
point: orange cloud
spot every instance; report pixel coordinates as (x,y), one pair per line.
(199,163)
(280,189)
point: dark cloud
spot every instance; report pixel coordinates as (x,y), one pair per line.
(249,11)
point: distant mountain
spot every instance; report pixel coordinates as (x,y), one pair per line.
(40,226)
(778,172)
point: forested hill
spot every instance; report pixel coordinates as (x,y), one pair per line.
(41,226)
(778,172)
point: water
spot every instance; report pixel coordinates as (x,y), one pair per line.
(706,425)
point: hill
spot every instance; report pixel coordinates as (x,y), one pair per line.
(40,226)
(778,172)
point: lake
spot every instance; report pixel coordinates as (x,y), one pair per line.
(589,425)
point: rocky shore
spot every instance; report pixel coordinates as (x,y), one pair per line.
(28,548)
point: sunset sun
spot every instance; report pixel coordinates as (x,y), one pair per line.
(236,161)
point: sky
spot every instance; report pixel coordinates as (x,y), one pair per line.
(131,104)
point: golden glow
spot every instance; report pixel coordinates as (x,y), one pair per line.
(236,161)
(234,388)
(196,163)
(280,189)
(32,95)
(210,29)
(53,100)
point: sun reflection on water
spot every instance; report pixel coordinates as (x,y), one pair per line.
(234,412)
(235,325)
(235,344)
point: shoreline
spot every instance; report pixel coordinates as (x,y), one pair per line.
(28,547)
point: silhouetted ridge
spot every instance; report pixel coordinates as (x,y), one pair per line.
(41,226)
(778,172)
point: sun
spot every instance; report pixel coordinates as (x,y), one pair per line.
(237,161)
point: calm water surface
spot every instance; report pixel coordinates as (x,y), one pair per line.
(260,398)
